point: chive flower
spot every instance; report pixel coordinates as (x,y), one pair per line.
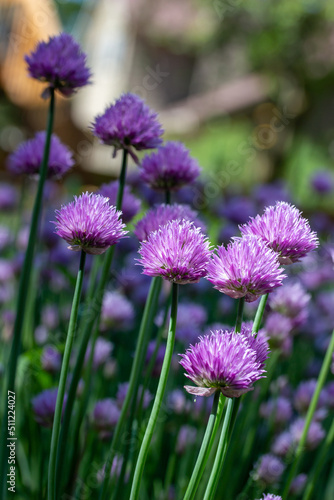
(44,405)
(60,62)
(130,204)
(169,168)
(178,252)
(245,268)
(128,124)
(224,361)
(284,230)
(28,157)
(270,496)
(89,223)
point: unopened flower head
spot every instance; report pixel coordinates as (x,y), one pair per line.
(245,268)
(178,252)
(283,229)
(60,62)
(160,215)
(28,157)
(130,203)
(89,223)
(222,361)
(169,168)
(129,124)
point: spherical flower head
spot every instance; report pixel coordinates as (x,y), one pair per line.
(268,469)
(322,181)
(8,196)
(90,224)
(283,444)
(129,124)
(279,410)
(44,405)
(60,62)
(283,229)
(245,268)
(27,158)
(258,342)
(186,437)
(130,203)
(178,252)
(117,311)
(291,301)
(222,361)
(278,328)
(315,434)
(105,417)
(303,396)
(51,359)
(169,168)
(122,392)
(160,215)
(102,351)
(270,496)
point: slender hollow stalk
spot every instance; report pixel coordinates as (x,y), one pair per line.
(259,313)
(221,452)
(205,449)
(24,288)
(134,376)
(93,308)
(309,416)
(158,398)
(240,313)
(63,377)
(168,197)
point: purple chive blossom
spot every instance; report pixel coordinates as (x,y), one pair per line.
(61,63)
(303,396)
(315,434)
(115,469)
(283,229)
(102,351)
(130,204)
(245,268)
(222,361)
(322,181)
(268,469)
(270,496)
(51,359)
(129,124)
(105,417)
(291,301)
(160,215)
(186,437)
(89,223)
(279,410)
(8,196)
(44,405)
(178,252)
(187,331)
(177,402)
(298,484)
(171,167)
(28,157)
(278,329)
(122,392)
(283,444)
(117,311)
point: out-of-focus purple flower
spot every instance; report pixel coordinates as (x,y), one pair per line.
(270,496)
(238,209)
(278,328)
(115,471)
(8,196)
(315,434)
(322,181)
(222,361)
(130,203)
(283,444)
(279,410)
(44,405)
(187,331)
(122,392)
(28,157)
(330,394)
(60,62)
(6,270)
(160,215)
(102,352)
(268,470)
(283,229)
(177,402)
(178,252)
(159,357)
(51,359)
(169,168)
(50,317)
(186,437)
(129,124)
(259,342)
(303,396)
(6,236)
(117,311)
(89,223)
(298,484)
(246,268)
(281,386)
(267,194)
(105,417)
(227,232)
(291,301)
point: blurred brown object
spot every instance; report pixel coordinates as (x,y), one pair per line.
(23,23)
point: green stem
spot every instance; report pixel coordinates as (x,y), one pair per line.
(240,313)
(62,380)
(93,308)
(309,416)
(259,313)
(158,398)
(24,289)
(204,451)
(167,197)
(221,451)
(134,376)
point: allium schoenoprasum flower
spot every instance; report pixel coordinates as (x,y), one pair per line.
(270,496)
(28,157)
(245,268)
(291,301)
(298,484)
(105,417)
(186,437)
(222,361)
(60,62)
(129,124)
(303,396)
(315,434)
(122,392)
(117,311)
(8,196)
(169,168)
(102,351)
(268,469)
(44,405)
(279,410)
(89,223)
(283,229)
(178,252)
(130,204)
(161,214)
